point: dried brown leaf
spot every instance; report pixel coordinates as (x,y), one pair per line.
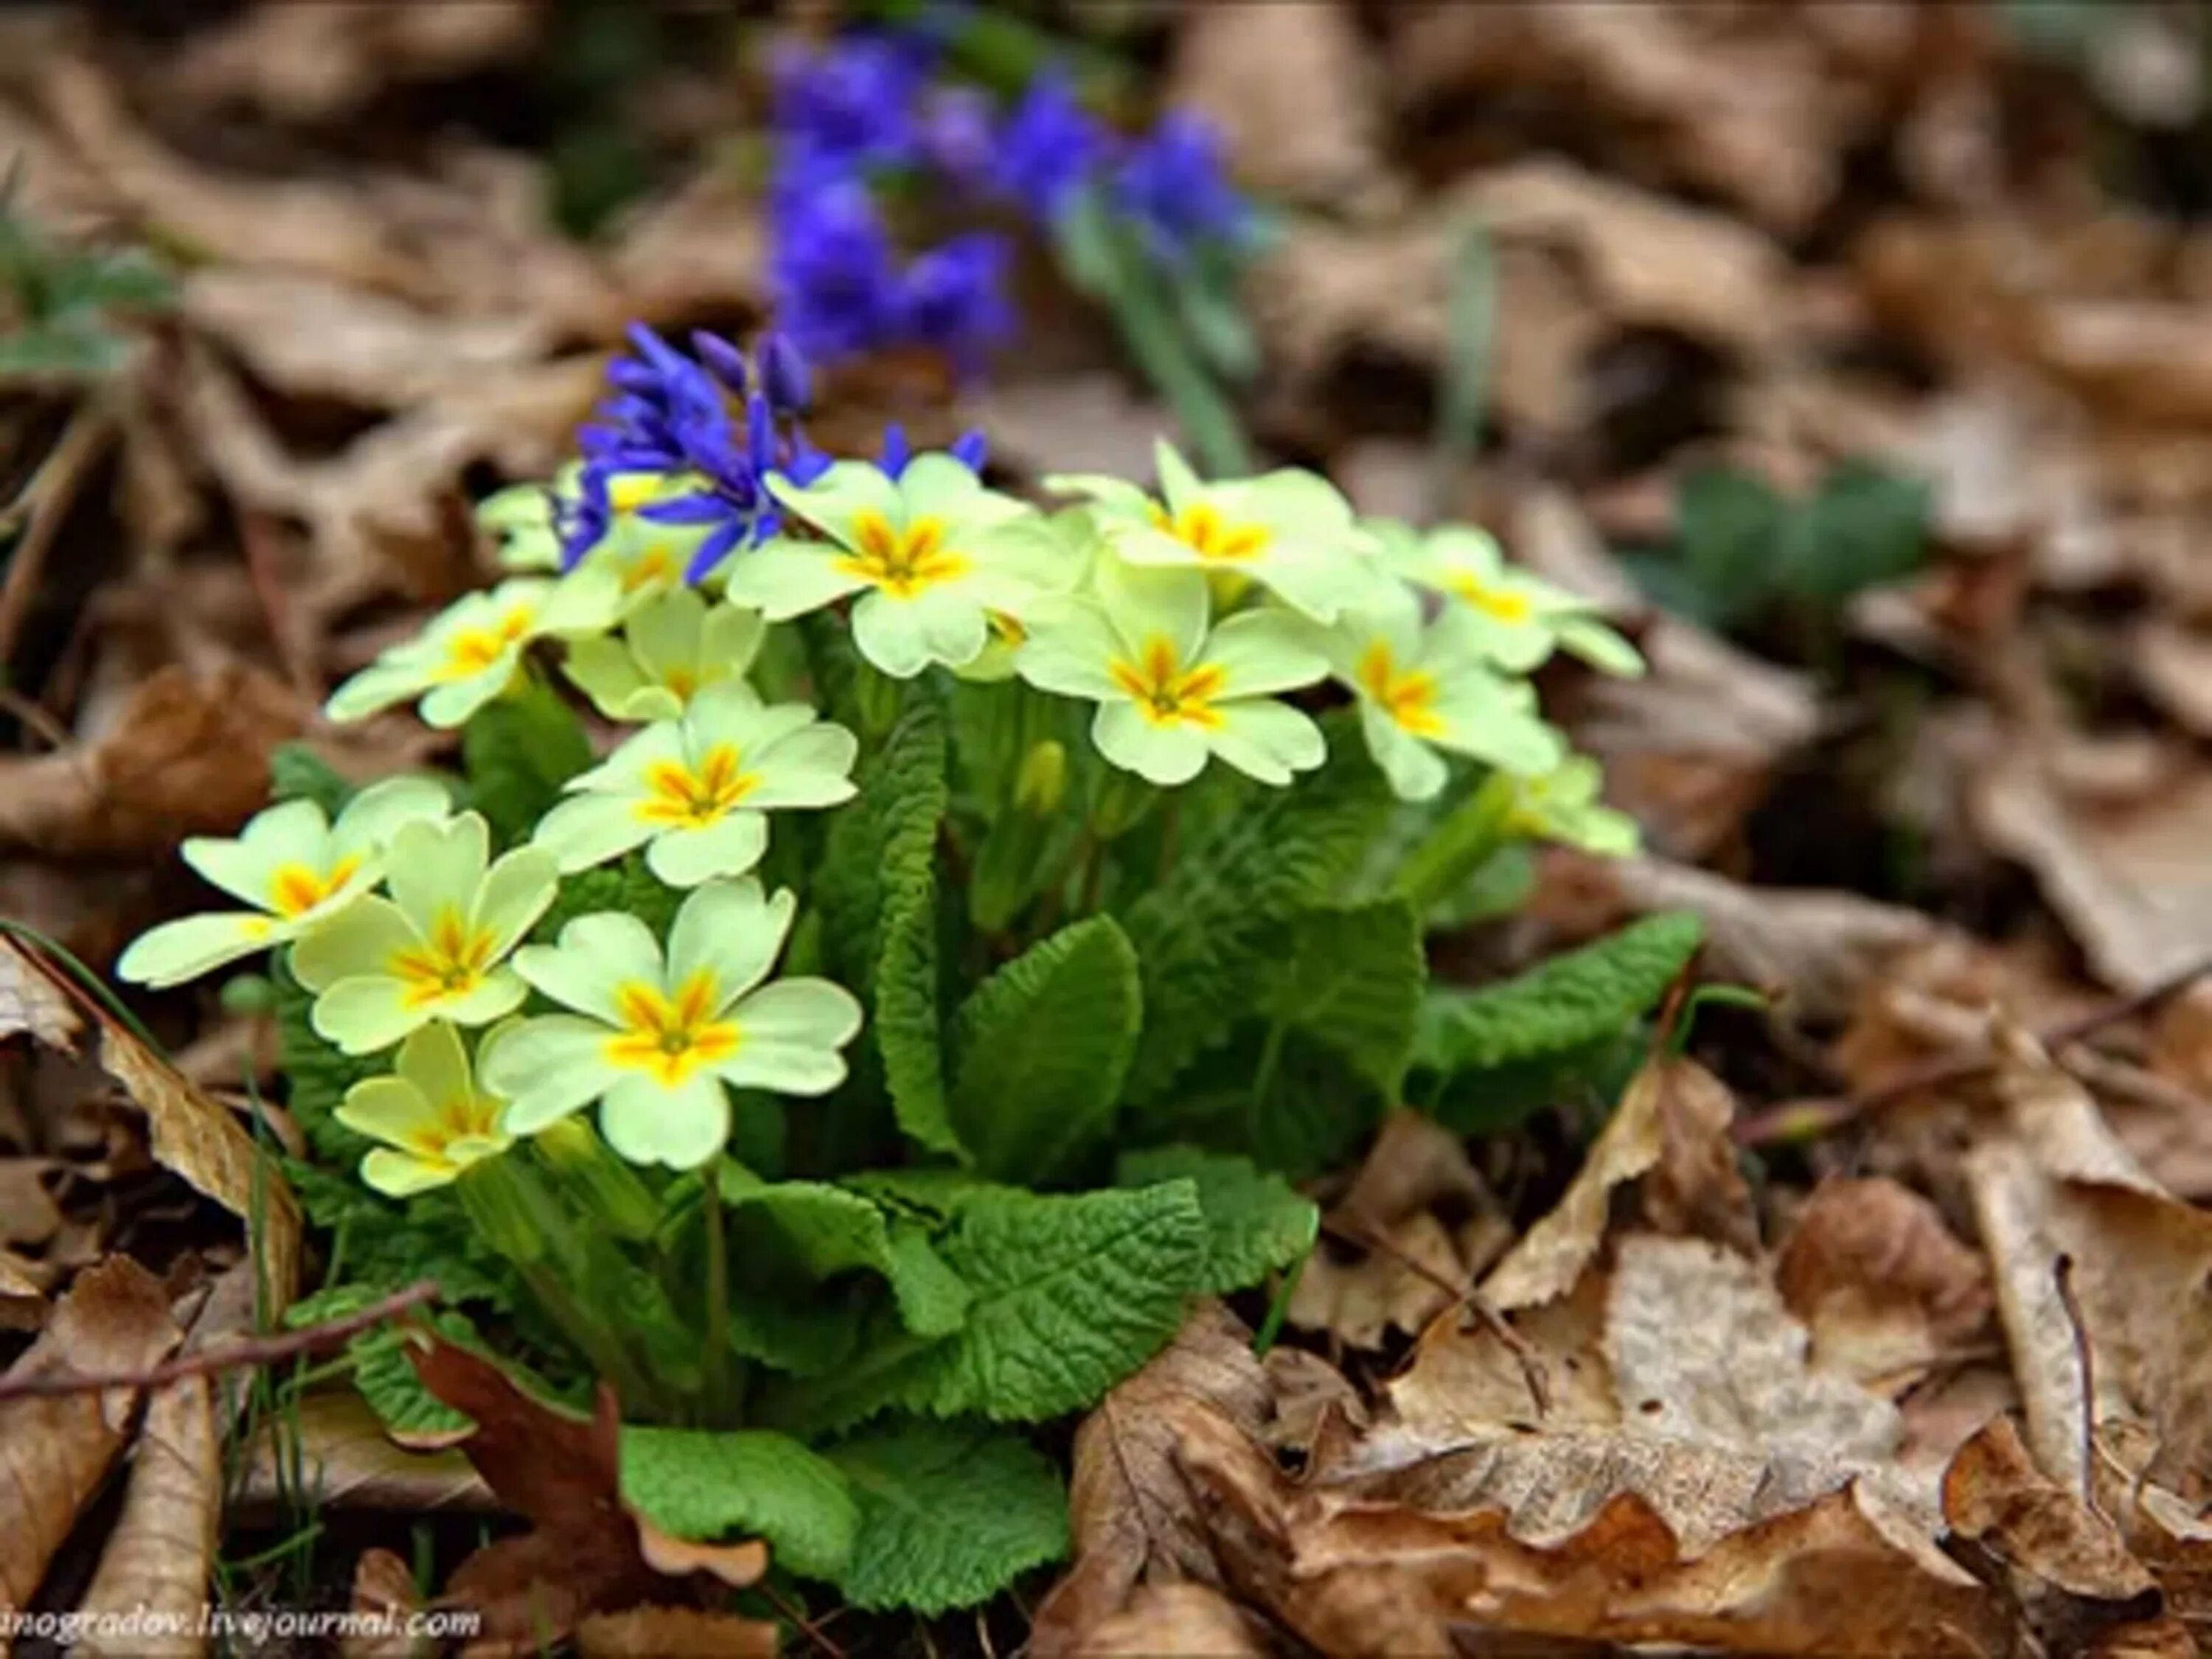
(32,1003)
(675,1633)
(1293,94)
(2066,1567)
(345,1459)
(1133,1517)
(384,1591)
(310,63)
(158,1556)
(188,755)
(1188,1620)
(55,1450)
(1360,1573)
(1879,1281)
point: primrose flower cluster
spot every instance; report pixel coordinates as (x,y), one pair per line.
(873,110)
(1199,624)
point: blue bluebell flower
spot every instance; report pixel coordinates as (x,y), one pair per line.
(1048,146)
(958,138)
(853,103)
(783,374)
(1172,184)
(833,272)
(954,298)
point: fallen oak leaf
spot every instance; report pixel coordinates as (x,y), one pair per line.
(1191,1621)
(336,1453)
(1134,1520)
(657,1632)
(55,1450)
(384,1593)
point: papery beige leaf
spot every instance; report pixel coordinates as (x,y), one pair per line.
(187,754)
(1133,1517)
(675,1633)
(1703,1349)
(158,1558)
(2067,1567)
(384,1591)
(196,1137)
(304,64)
(1879,1280)
(1364,1573)
(32,1003)
(55,1450)
(333,1451)
(1189,1620)
(2139,1261)
(1293,92)
(1673,1117)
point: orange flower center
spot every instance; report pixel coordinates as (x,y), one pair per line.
(1206,533)
(681,796)
(451,963)
(670,1038)
(296,889)
(1500,604)
(900,562)
(473,650)
(1165,692)
(1408,696)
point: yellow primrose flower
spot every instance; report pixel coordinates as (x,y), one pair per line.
(1290,530)
(671,648)
(295,866)
(636,558)
(696,792)
(520,519)
(1170,690)
(1422,689)
(467,655)
(384,968)
(1563,805)
(433,1117)
(659,1040)
(1518,619)
(931,555)
(1076,543)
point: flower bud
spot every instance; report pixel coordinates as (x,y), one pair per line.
(783,374)
(1042,783)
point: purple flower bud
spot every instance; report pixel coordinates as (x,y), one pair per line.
(783,374)
(724,360)
(971,449)
(896,451)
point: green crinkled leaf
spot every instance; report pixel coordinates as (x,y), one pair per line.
(878,892)
(829,1231)
(1204,935)
(1352,979)
(625,885)
(298,773)
(381,1372)
(518,750)
(703,1484)
(1255,1222)
(1070,1294)
(317,1074)
(1040,1052)
(1581,997)
(951,1513)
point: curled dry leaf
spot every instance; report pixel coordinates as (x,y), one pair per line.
(345,1459)
(307,64)
(1416,1226)
(193,1133)
(2065,1567)
(2057,1185)
(158,1558)
(384,1592)
(1190,1620)
(187,754)
(1293,92)
(1880,1282)
(1357,1574)
(2129,879)
(1134,1519)
(55,1450)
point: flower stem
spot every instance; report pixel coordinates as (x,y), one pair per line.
(1459,846)
(717,1295)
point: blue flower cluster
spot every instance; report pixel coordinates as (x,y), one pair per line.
(869,106)
(716,424)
